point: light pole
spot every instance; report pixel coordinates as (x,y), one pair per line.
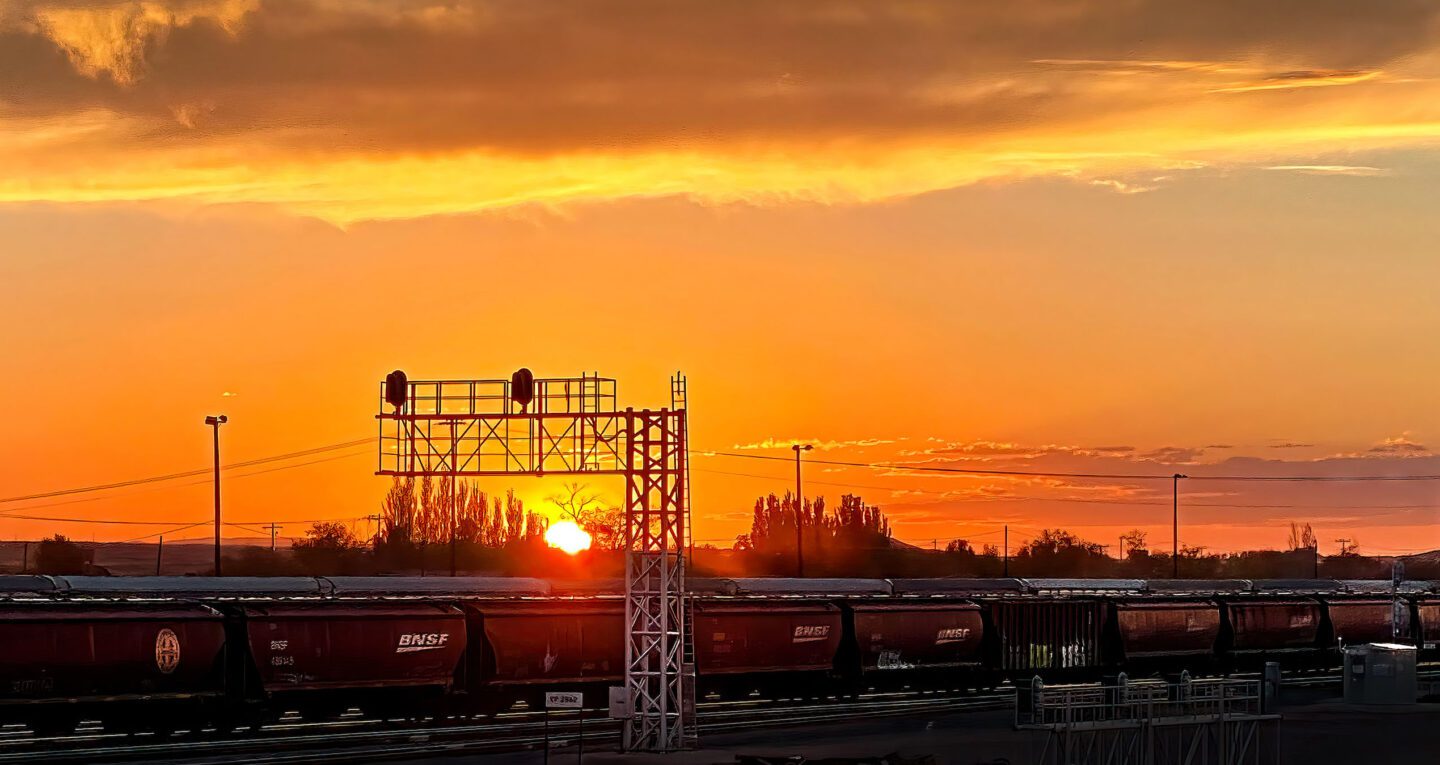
(1175,527)
(799,518)
(215,421)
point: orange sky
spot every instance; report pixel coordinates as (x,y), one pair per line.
(1070,236)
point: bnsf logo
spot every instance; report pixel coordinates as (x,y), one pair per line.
(951,635)
(410,642)
(811,633)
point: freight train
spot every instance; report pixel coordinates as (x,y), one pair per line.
(169,653)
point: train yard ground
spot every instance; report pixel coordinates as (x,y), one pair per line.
(1317,729)
(963,729)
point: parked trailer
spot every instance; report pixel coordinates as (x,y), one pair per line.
(900,644)
(774,646)
(320,658)
(156,666)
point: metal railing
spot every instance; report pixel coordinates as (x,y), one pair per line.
(1133,702)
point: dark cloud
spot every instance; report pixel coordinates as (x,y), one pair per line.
(522,76)
(1291,445)
(1399,446)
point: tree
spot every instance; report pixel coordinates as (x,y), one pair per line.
(854,525)
(605,525)
(397,512)
(959,546)
(1056,552)
(1135,546)
(328,535)
(59,556)
(328,548)
(1302,537)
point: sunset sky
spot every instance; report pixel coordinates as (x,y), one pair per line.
(1067,236)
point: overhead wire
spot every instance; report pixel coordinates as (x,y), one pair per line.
(187,473)
(10,513)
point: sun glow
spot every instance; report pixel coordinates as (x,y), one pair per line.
(567,536)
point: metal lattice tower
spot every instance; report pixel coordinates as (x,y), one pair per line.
(571,426)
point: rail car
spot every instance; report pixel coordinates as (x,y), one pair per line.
(170,653)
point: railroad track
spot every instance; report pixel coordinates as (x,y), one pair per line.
(291,741)
(373,740)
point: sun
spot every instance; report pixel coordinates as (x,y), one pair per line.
(567,536)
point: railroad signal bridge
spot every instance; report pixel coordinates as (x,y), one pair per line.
(574,426)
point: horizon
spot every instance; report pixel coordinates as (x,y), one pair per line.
(885,231)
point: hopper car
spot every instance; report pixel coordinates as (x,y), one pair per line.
(163,654)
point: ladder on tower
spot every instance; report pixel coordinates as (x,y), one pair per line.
(679,401)
(690,735)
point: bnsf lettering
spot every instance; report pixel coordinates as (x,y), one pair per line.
(951,635)
(410,642)
(810,633)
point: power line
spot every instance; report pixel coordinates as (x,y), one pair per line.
(1084,500)
(186,474)
(1056,474)
(10,513)
(163,533)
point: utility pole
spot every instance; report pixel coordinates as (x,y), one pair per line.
(1007,549)
(1175,528)
(159,553)
(273,527)
(215,421)
(454,500)
(799,516)
(25,558)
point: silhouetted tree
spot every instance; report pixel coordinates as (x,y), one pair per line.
(959,547)
(1302,537)
(60,556)
(605,525)
(329,548)
(1056,552)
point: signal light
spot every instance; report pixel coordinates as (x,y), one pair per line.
(522,387)
(397,389)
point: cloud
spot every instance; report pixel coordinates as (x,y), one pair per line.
(1400,445)
(1291,445)
(1356,170)
(1302,79)
(356,109)
(821,444)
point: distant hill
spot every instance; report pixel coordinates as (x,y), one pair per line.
(138,558)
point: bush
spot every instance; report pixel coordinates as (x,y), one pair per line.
(61,557)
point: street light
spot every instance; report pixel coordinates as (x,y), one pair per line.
(1175,528)
(215,421)
(799,519)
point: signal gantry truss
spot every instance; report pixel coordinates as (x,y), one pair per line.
(572,426)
